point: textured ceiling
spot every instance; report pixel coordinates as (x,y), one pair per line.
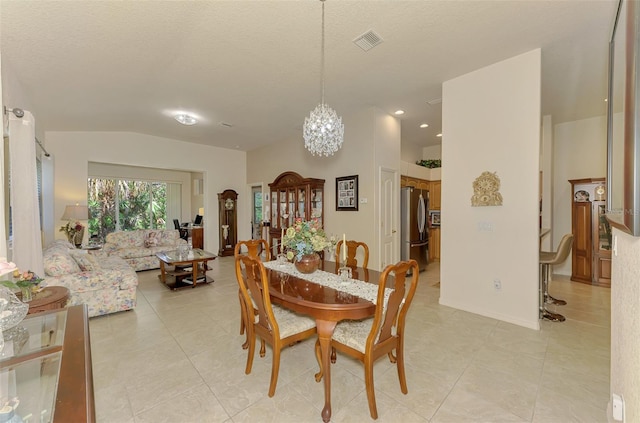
(127,66)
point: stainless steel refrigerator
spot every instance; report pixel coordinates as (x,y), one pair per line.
(414,230)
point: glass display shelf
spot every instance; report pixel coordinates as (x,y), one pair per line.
(45,369)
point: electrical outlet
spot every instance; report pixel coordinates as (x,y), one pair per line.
(617,407)
(497,284)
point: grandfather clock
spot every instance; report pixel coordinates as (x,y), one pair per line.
(227,206)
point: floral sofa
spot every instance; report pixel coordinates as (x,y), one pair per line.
(105,284)
(139,247)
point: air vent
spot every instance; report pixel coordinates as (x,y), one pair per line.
(228,125)
(368,40)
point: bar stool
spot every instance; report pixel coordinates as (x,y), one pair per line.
(548,259)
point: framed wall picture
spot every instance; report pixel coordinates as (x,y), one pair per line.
(434,217)
(347,193)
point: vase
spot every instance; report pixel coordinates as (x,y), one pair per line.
(77,238)
(27,294)
(308,263)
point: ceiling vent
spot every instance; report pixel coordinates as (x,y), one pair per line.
(368,40)
(228,125)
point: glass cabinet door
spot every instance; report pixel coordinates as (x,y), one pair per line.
(316,203)
(604,229)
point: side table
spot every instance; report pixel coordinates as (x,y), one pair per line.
(50,298)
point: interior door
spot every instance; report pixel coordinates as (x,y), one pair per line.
(389,217)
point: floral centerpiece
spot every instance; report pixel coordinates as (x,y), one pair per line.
(25,281)
(306,238)
(74,232)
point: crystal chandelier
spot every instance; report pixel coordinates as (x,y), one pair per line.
(323,130)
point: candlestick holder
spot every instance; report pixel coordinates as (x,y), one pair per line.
(282,259)
(345,273)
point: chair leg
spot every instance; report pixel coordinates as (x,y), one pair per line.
(275,368)
(544,313)
(263,349)
(252,349)
(333,355)
(548,298)
(400,365)
(320,373)
(368,382)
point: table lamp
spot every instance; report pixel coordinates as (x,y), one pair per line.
(75,232)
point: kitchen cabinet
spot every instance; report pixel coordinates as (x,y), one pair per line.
(434,188)
(434,195)
(434,244)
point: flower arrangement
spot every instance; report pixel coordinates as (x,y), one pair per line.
(306,237)
(71,229)
(22,280)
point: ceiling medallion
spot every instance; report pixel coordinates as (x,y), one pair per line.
(323,131)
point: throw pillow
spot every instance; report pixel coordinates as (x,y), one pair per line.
(57,264)
(86,262)
(151,240)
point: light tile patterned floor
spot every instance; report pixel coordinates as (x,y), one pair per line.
(177,358)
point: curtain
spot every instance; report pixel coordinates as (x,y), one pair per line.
(3,229)
(174,203)
(25,208)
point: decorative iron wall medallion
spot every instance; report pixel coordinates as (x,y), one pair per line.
(486,190)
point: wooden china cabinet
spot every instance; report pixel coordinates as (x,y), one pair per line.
(291,197)
(591,252)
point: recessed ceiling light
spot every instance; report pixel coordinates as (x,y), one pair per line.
(186,119)
(439,135)
(424,125)
(399,112)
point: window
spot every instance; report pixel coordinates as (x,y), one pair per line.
(257,211)
(125,205)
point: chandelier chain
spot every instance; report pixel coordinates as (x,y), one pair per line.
(322,58)
(323,131)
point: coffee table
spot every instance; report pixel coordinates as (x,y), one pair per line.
(189,269)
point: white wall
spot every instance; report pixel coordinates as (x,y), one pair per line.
(72,151)
(433,152)
(546,187)
(579,151)
(492,121)
(625,324)
(364,129)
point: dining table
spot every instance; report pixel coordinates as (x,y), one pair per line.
(328,299)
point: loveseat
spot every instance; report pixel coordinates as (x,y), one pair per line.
(139,247)
(105,284)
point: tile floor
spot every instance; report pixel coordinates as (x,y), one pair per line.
(177,358)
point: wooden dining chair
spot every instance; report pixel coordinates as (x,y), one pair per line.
(254,248)
(369,339)
(352,250)
(274,325)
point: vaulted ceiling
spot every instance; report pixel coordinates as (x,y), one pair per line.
(250,70)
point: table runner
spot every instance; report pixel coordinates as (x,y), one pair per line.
(358,288)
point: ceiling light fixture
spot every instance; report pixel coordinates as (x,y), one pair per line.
(399,112)
(424,125)
(323,130)
(439,135)
(186,119)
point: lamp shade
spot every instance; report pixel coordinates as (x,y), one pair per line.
(201,211)
(76,212)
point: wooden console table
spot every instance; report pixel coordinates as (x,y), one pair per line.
(46,367)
